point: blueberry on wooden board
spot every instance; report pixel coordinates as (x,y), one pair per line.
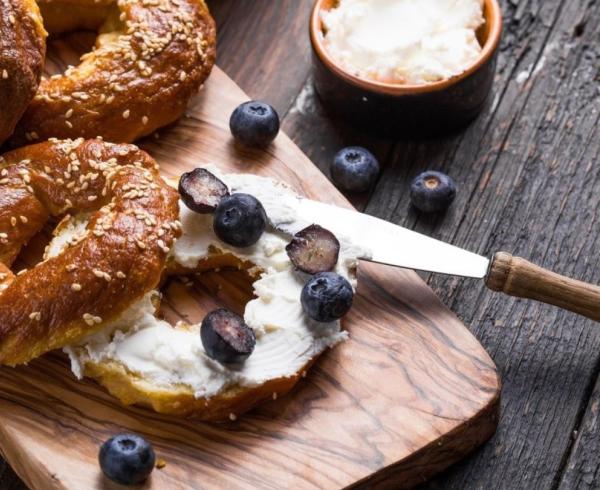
(127,459)
(226,337)
(239,220)
(432,192)
(314,249)
(254,124)
(201,191)
(354,169)
(327,297)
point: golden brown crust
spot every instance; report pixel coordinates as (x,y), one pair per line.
(22,51)
(132,226)
(133,390)
(151,56)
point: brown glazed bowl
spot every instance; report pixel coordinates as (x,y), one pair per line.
(395,109)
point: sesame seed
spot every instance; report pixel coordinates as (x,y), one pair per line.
(232,417)
(36,315)
(69,113)
(121,275)
(76,287)
(145,120)
(4,74)
(69,124)
(13,221)
(126,114)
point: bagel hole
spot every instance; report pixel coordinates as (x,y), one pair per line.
(74,33)
(190,298)
(33,253)
(65,50)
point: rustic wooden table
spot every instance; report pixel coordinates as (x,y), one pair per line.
(529,175)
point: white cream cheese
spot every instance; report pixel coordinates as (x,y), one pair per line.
(403,41)
(286,339)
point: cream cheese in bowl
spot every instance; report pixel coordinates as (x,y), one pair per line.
(403,41)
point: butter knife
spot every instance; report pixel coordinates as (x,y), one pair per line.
(386,243)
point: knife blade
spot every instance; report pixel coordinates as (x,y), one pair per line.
(387,243)
(390,244)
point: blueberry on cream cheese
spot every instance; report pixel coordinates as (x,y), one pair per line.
(354,169)
(240,220)
(226,337)
(127,459)
(327,297)
(432,192)
(254,124)
(201,191)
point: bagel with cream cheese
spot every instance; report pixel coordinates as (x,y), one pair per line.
(117,259)
(22,51)
(150,57)
(145,361)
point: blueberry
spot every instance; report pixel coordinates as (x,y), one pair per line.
(354,169)
(254,124)
(226,337)
(314,249)
(201,191)
(127,459)
(239,220)
(432,192)
(326,297)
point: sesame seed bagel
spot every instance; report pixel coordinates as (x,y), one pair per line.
(150,57)
(22,51)
(117,260)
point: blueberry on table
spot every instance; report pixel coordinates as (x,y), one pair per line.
(327,297)
(354,169)
(127,459)
(201,191)
(432,192)
(314,249)
(239,220)
(226,337)
(254,124)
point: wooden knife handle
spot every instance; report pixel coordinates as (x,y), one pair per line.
(518,277)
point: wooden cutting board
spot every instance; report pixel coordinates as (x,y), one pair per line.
(410,393)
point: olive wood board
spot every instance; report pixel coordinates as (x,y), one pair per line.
(411,392)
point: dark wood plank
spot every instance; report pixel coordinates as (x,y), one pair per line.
(264,46)
(582,470)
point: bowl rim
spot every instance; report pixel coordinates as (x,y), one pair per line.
(489,48)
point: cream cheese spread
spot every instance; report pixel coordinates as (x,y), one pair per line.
(403,41)
(286,339)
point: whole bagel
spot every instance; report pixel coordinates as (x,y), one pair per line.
(120,257)
(150,57)
(22,51)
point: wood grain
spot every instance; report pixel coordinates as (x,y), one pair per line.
(409,394)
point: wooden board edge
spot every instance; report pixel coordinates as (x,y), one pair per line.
(440,454)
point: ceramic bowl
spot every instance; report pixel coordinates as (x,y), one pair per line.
(395,109)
